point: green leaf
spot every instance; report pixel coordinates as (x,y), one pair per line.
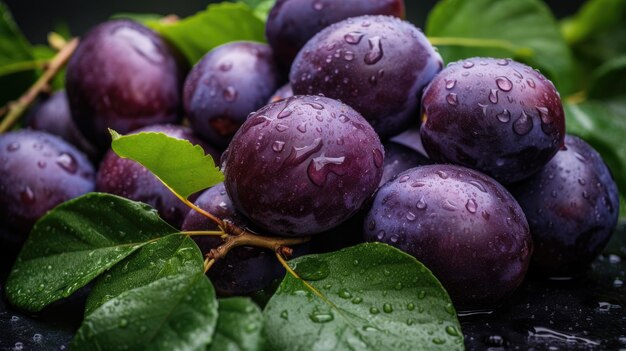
(161,259)
(604,129)
(17,69)
(183,167)
(220,23)
(609,80)
(261,8)
(595,16)
(239,326)
(178,313)
(523,29)
(77,241)
(157,299)
(376,297)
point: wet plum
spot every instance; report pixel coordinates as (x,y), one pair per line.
(378,65)
(127,178)
(282,93)
(464,226)
(412,139)
(245,269)
(38,171)
(494,115)
(399,158)
(53,116)
(291,23)
(572,206)
(229,82)
(302,165)
(122,76)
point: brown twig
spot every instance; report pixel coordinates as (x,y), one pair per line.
(17,108)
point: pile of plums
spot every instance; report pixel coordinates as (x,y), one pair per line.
(368,138)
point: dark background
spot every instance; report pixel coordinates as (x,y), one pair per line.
(37,17)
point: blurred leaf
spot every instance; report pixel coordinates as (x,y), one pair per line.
(261,8)
(44,53)
(181,165)
(522,29)
(158,299)
(376,297)
(239,326)
(17,63)
(220,23)
(77,241)
(604,129)
(609,80)
(595,16)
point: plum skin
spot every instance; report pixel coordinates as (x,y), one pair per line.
(127,178)
(399,158)
(122,76)
(572,207)
(464,226)
(378,65)
(302,165)
(291,23)
(38,171)
(229,82)
(497,116)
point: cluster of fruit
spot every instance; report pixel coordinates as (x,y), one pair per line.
(487,185)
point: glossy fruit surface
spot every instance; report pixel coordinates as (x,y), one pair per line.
(127,178)
(494,115)
(229,83)
(399,158)
(38,171)
(122,76)
(572,207)
(378,65)
(291,23)
(461,224)
(302,165)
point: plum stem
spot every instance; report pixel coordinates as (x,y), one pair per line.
(16,109)
(208,263)
(205,233)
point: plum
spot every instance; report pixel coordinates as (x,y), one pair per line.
(463,225)
(399,158)
(572,207)
(38,171)
(229,83)
(127,178)
(378,65)
(302,165)
(122,76)
(497,116)
(282,93)
(291,23)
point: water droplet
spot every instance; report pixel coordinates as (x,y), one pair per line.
(230,94)
(504,116)
(281,127)
(357,300)
(517,74)
(504,83)
(41,164)
(344,293)
(410,306)
(312,269)
(471,206)
(544,114)
(226,66)
(27,197)
(378,158)
(317,6)
(278,146)
(468,64)
(478,185)
(503,62)
(381,235)
(484,108)
(449,206)
(530,82)
(321,317)
(442,174)
(315,105)
(285,113)
(348,56)
(452,99)
(284,315)
(67,162)
(394,238)
(438,341)
(320,167)
(404,178)
(353,37)
(376,51)
(374,310)
(123,323)
(493,96)
(387,308)
(523,125)
(410,216)
(450,83)
(580,157)
(421,204)
(302,127)
(14,146)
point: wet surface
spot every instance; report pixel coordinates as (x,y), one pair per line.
(587,313)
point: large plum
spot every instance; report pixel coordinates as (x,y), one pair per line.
(127,178)
(122,76)
(302,165)
(378,65)
(494,115)
(229,82)
(464,226)
(572,206)
(38,171)
(291,23)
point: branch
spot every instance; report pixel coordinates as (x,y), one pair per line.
(16,109)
